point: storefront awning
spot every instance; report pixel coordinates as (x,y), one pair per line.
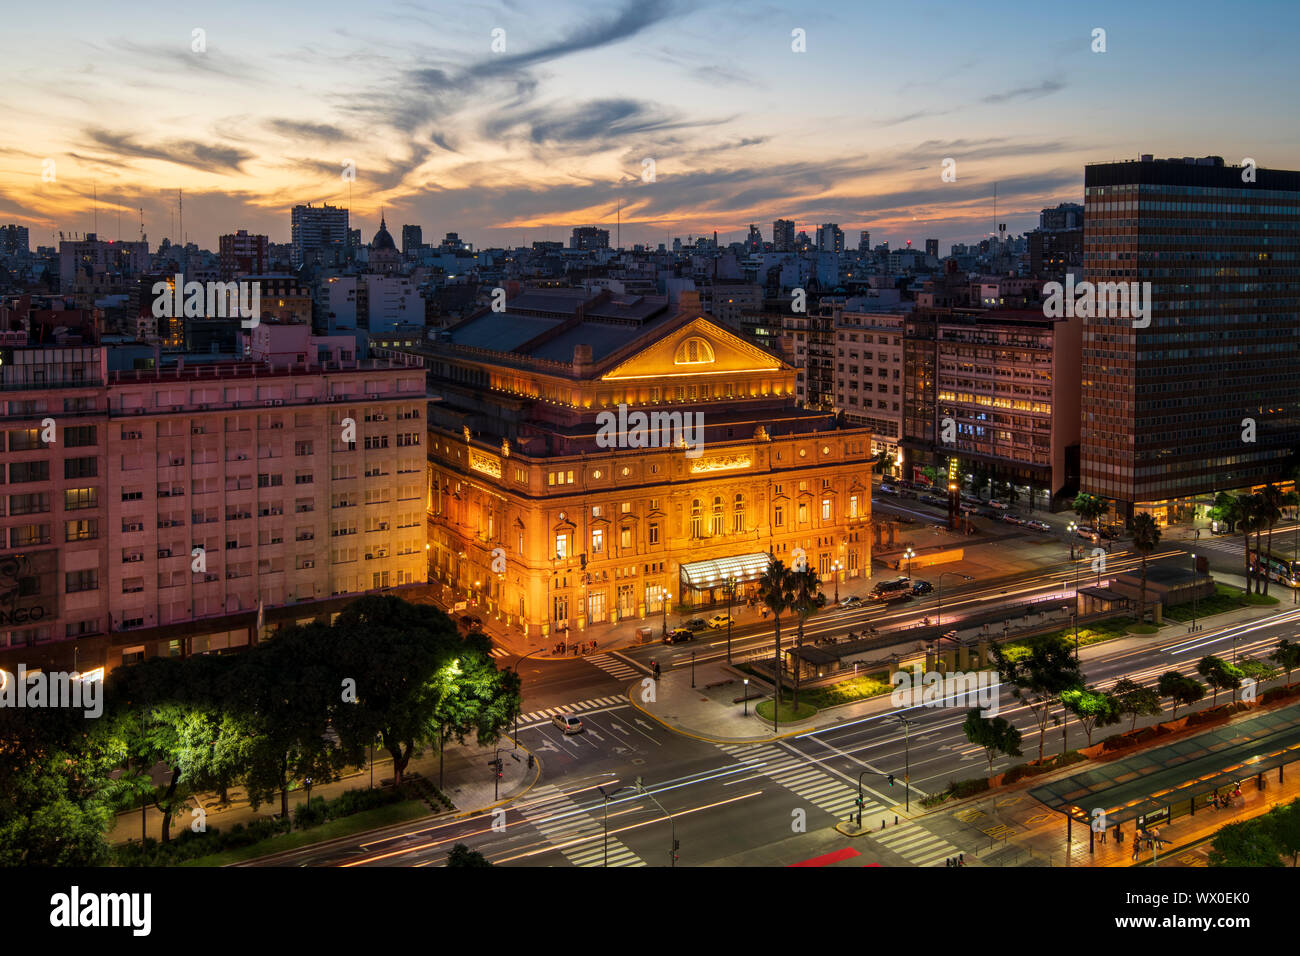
(703,575)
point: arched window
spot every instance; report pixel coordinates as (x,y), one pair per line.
(717,515)
(694,351)
(697,519)
(738,515)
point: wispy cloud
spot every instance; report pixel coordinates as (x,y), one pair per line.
(196,155)
(1044,88)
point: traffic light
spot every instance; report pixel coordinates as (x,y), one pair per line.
(890,778)
(858,801)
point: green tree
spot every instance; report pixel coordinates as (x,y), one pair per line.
(1090,508)
(1245,844)
(1287,657)
(1242,512)
(776,591)
(1272,500)
(808,599)
(461,855)
(996,736)
(392,651)
(1180,689)
(1146,535)
(1284,825)
(1038,677)
(289,692)
(1220,675)
(1135,700)
(56,792)
(1092,708)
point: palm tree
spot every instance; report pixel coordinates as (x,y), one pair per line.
(1240,512)
(1272,500)
(776,590)
(1146,535)
(808,598)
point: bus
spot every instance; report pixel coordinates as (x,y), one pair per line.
(1285,566)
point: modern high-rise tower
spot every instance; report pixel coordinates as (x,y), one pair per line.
(1203,393)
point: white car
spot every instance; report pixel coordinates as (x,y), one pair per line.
(851,601)
(567,723)
(719,620)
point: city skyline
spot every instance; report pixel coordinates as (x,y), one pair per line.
(551,132)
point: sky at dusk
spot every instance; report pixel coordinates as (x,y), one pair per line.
(552,132)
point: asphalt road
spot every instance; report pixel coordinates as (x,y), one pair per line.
(729,800)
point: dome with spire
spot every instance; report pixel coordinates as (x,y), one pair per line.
(383,239)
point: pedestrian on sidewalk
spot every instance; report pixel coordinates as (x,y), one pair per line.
(1103,835)
(961,859)
(1137,846)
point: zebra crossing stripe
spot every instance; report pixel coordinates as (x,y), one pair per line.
(574,832)
(916,844)
(817,787)
(577,708)
(613,666)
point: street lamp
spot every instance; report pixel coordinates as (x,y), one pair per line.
(672,854)
(519,705)
(1195,588)
(835,570)
(668,596)
(607,798)
(908,555)
(1071,529)
(907,763)
(746,696)
(939,591)
(730,586)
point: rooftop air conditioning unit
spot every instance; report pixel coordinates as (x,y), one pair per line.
(278,401)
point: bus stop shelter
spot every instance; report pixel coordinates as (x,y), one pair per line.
(1167,782)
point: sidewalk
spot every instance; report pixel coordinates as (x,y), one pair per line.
(467,781)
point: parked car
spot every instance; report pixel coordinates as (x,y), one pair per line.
(988,513)
(1000,505)
(851,601)
(971,500)
(470,622)
(567,723)
(935,500)
(679,635)
(719,620)
(1010,517)
(921,587)
(1037,525)
(892,590)
(1086,534)
(888,489)
(695,624)
(969,509)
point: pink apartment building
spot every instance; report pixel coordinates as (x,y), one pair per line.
(177,502)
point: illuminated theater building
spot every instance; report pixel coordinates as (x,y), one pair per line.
(551,516)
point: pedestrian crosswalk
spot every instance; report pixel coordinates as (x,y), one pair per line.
(575,832)
(499,652)
(582,705)
(799,776)
(614,666)
(916,844)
